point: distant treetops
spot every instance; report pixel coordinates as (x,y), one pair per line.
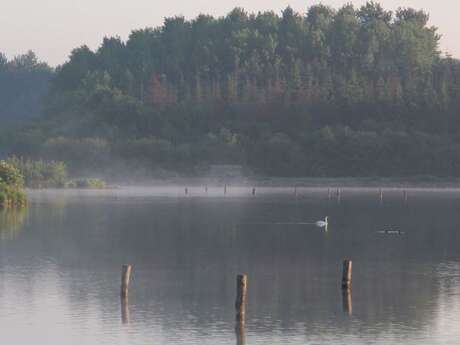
(346,92)
(12,192)
(24,81)
(327,55)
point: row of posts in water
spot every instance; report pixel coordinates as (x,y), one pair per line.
(337,195)
(241,293)
(331,193)
(206,189)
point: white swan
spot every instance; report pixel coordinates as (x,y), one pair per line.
(323,223)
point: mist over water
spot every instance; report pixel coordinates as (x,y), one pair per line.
(60,266)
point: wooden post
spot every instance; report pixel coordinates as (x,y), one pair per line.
(225,190)
(253,191)
(405,196)
(125,278)
(347,302)
(186,191)
(206,189)
(346,274)
(381,196)
(241,298)
(339,195)
(295,191)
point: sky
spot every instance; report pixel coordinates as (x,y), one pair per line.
(52,28)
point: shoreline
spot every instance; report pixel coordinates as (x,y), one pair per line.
(307,182)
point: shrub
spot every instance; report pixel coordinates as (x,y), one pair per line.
(11,187)
(10,175)
(40,173)
(90,183)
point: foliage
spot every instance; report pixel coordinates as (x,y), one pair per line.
(24,81)
(40,174)
(49,174)
(11,187)
(347,92)
(10,175)
(90,183)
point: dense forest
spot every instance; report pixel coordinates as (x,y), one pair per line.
(24,82)
(330,92)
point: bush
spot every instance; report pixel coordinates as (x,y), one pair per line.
(40,173)
(91,183)
(12,197)
(11,187)
(48,174)
(10,175)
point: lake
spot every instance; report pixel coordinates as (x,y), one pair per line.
(60,267)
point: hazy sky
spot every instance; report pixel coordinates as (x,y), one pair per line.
(52,28)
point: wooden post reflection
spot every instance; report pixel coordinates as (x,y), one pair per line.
(347,301)
(346,287)
(240,333)
(240,307)
(125,317)
(241,296)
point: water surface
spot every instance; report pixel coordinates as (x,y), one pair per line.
(60,264)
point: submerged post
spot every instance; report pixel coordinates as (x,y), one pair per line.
(346,274)
(241,298)
(240,334)
(125,278)
(125,310)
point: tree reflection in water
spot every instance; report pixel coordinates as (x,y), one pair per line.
(11,223)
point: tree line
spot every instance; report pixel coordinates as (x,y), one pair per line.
(24,82)
(332,92)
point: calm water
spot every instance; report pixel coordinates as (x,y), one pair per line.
(60,265)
